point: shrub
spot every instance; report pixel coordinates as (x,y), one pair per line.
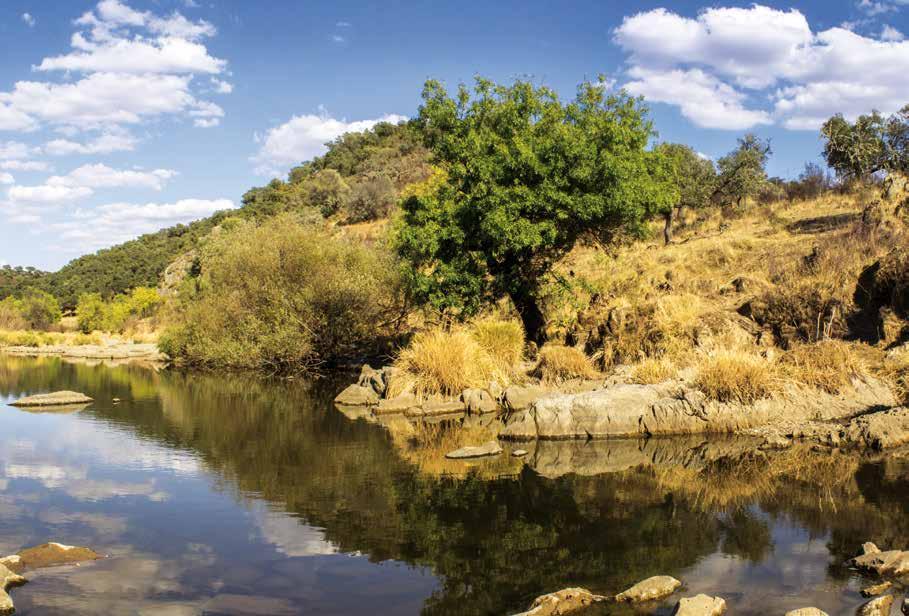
(284,296)
(11,315)
(39,308)
(829,365)
(730,376)
(559,363)
(94,314)
(444,362)
(91,313)
(502,339)
(371,199)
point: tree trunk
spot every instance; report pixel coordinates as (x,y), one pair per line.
(667,228)
(525,302)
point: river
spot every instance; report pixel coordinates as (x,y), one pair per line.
(236,495)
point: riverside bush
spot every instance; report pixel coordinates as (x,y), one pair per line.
(94,314)
(285,297)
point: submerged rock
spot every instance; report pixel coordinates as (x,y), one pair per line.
(57,398)
(877,607)
(700,605)
(652,588)
(806,611)
(53,554)
(631,410)
(492,448)
(357,395)
(562,602)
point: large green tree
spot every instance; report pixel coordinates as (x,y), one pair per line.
(872,144)
(527,177)
(743,171)
(694,177)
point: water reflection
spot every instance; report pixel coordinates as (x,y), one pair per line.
(234,495)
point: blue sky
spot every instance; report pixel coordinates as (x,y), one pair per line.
(120,117)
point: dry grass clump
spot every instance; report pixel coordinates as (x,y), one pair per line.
(446,362)
(560,363)
(829,365)
(653,370)
(734,376)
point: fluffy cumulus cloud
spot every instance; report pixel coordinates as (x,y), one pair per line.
(736,68)
(303,137)
(130,66)
(105,143)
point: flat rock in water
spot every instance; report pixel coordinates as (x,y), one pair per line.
(877,589)
(893,562)
(437,409)
(398,404)
(806,611)
(562,602)
(491,448)
(58,398)
(652,588)
(877,607)
(53,554)
(357,395)
(519,453)
(700,605)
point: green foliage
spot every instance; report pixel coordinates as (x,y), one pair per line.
(527,177)
(371,199)
(11,315)
(871,145)
(742,171)
(284,296)
(39,308)
(695,177)
(94,314)
(15,280)
(327,191)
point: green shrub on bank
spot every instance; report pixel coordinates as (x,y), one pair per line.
(35,309)
(284,296)
(94,314)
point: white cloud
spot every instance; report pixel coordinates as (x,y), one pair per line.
(29,19)
(24,165)
(222,87)
(15,120)
(14,150)
(167,55)
(102,176)
(303,137)
(46,194)
(750,66)
(702,98)
(206,122)
(119,141)
(7,178)
(337,38)
(889,33)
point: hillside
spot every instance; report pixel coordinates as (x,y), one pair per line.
(358,179)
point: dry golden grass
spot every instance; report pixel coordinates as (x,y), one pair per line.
(733,376)
(560,363)
(31,338)
(446,362)
(653,370)
(829,365)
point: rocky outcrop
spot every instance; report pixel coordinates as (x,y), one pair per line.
(651,589)
(562,602)
(881,430)
(889,562)
(57,398)
(8,579)
(876,589)
(877,607)
(357,395)
(479,401)
(125,351)
(492,448)
(520,398)
(630,410)
(700,605)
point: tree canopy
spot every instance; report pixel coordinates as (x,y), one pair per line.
(743,171)
(526,177)
(872,144)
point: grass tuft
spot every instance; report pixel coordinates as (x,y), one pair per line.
(734,376)
(829,365)
(653,370)
(560,363)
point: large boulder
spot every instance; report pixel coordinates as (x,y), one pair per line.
(889,562)
(700,605)
(651,589)
(877,607)
(562,602)
(881,430)
(398,404)
(373,379)
(520,397)
(57,398)
(631,410)
(357,395)
(479,401)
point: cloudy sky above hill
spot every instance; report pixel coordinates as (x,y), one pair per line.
(120,117)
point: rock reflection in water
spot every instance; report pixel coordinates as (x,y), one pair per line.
(233,495)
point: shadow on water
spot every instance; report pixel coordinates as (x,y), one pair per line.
(241,495)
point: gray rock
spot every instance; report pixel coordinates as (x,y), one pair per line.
(700,605)
(520,398)
(519,453)
(58,398)
(877,607)
(806,611)
(357,395)
(891,562)
(436,408)
(562,602)
(492,448)
(479,401)
(651,589)
(373,379)
(631,410)
(881,430)
(398,404)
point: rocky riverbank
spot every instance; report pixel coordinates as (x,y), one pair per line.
(114,350)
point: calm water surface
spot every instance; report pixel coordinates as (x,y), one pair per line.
(227,495)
